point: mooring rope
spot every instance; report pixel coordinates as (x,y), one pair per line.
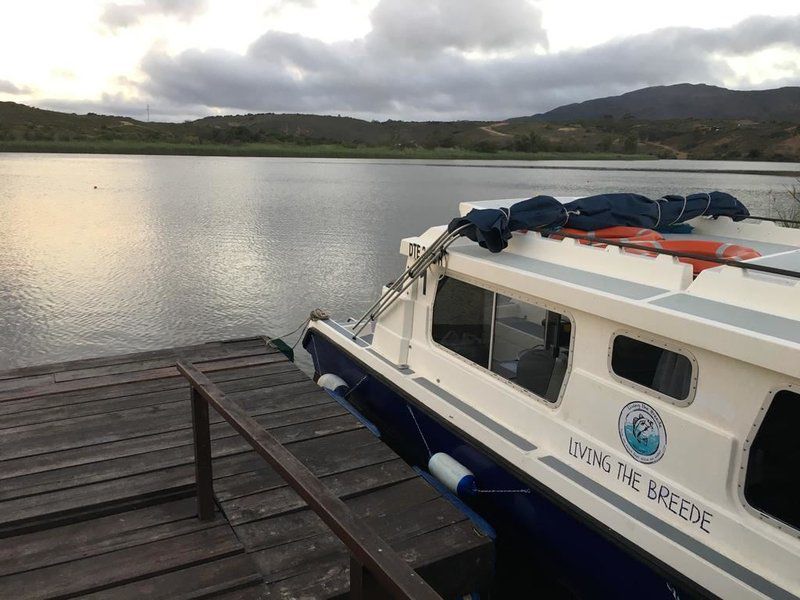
(422,435)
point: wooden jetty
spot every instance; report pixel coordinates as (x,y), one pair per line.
(99,486)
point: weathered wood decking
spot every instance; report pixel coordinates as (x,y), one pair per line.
(97,485)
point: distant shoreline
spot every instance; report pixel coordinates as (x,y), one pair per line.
(299,151)
(375,153)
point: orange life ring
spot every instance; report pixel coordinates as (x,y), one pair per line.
(627,234)
(702,247)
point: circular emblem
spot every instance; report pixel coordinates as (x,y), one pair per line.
(642,432)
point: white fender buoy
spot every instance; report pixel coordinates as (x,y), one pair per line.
(455,476)
(332,382)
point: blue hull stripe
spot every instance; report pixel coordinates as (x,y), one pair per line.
(724,563)
(506,434)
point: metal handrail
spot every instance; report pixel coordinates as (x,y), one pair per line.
(410,275)
(375,568)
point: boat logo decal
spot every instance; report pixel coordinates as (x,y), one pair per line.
(642,432)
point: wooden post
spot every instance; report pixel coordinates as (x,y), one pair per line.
(204,482)
(363,586)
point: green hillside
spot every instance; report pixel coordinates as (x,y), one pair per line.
(23,128)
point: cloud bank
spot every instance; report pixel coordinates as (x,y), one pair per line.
(117,16)
(451,59)
(438,59)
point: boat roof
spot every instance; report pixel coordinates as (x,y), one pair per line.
(756,304)
(779,247)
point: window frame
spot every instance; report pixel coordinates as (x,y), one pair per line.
(497,289)
(748,443)
(659,343)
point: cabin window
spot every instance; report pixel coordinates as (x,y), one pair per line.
(530,346)
(524,343)
(653,367)
(462,317)
(772,483)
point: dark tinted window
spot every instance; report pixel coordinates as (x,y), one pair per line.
(772,484)
(462,319)
(652,366)
(531,346)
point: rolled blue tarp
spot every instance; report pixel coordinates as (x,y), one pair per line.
(492,227)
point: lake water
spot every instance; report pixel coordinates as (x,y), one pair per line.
(168,251)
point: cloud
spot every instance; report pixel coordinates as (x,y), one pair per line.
(474,25)
(278,6)
(126,15)
(441,62)
(6,87)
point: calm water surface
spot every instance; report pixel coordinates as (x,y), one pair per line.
(175,250)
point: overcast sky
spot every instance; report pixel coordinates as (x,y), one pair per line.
(401,59)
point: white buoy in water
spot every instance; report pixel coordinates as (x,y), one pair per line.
(455,476)
(332,382)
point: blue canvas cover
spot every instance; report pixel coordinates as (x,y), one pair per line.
(679,209)
(635,210)
(492,227)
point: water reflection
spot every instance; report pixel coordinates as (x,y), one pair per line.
(175,250)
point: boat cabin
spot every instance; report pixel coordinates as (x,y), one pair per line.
(651,397)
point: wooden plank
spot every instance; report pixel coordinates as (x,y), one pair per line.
(132,389)
(232,577)
(386,494)
(28,440)
(64,505)
(155,363)
(344,483)
(122,566)
(190,351)
(300,395)
(265,479)
(257,592)
(247,378)
(98,536)
(22,382)
(290,426)
(328,577)
(466,568)
(454,559)
(135,377)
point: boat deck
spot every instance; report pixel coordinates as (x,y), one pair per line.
(97,495)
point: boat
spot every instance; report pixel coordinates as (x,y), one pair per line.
(618,415)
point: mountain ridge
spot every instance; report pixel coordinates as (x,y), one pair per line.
(685,101)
